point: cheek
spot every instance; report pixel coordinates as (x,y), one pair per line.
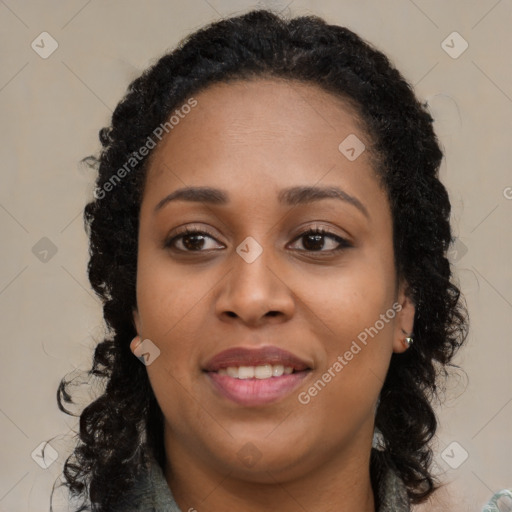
(355,324)
(347,301)
(167,297)
(360,343)
(356,356)
(170,307)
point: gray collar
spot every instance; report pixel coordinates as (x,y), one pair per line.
(152,494)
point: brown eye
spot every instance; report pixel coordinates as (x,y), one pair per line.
(314,240)
(191,241)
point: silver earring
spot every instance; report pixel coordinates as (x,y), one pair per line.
(408,341)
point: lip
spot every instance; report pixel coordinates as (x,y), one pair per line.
(241,356)
(254,392)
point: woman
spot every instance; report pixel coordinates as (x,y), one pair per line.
(268,237)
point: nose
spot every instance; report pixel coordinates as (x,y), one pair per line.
(255,293)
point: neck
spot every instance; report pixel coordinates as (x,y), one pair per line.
(340,483)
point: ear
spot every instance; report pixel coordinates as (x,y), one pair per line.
(135,343)
(137,324)
(404,322)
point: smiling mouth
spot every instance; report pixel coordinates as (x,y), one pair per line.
(255,376)
(252,386)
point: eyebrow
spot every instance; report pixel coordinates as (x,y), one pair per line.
(289,196)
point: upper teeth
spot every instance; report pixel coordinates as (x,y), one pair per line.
(265,371)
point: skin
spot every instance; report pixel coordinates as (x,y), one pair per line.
(251,139)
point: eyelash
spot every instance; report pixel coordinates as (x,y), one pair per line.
(343,243)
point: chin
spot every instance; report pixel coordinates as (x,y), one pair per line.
(263,462)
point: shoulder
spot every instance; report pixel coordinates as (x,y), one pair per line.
(393,495)
(446,498)
(500,502)
(150,493)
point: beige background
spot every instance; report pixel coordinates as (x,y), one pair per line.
(51,110)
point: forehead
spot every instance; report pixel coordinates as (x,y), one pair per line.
(264,130)
(279,95)
(269,108)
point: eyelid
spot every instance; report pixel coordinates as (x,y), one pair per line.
(322,228)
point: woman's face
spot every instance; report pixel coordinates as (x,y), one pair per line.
(254,281)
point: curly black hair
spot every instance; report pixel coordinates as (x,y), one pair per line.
(124,425)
